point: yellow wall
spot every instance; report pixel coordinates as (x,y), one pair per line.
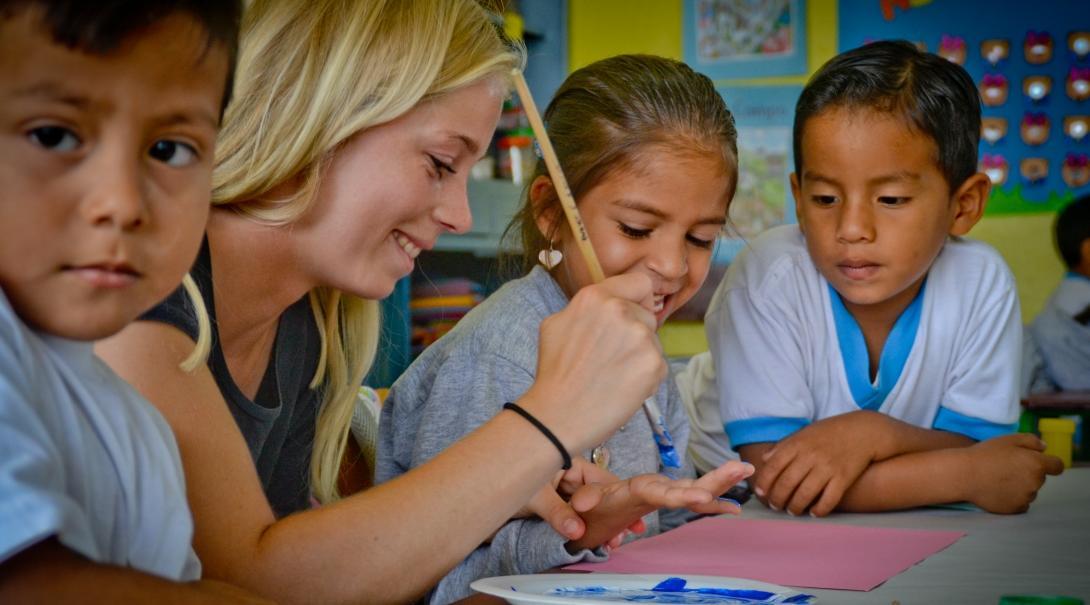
(1025,241)
(603,28)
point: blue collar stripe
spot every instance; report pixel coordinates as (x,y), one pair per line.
(761,430)
(853,350)
(974,428)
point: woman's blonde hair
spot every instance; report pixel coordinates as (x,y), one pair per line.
(311,74)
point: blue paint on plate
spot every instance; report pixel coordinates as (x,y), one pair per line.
(675,590)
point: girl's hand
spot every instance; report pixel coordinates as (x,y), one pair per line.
(598,359)
(608,509)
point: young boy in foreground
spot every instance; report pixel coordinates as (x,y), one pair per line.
(108,120)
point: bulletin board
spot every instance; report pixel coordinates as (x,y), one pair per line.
(1031,63)
(745,38)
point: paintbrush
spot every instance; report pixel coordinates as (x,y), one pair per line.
(667,452)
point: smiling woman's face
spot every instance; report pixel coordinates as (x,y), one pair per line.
(391,190)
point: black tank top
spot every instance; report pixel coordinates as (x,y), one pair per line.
(279,422)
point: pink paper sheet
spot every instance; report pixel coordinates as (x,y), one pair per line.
(792,553)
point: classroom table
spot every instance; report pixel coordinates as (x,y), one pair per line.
(1044,551)
(1061,401)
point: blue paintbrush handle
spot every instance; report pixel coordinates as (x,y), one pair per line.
(667,452)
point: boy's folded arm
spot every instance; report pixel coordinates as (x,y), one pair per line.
(884,436)
(1000,475)
(754,453)
(910,480)
(897,437)
(814,467)
(820,460)
(50,573)
(900,482)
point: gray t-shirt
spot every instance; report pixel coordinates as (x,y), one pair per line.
(85,459)
(278,424)
(463,380)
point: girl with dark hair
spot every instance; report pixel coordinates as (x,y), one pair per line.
(648,147)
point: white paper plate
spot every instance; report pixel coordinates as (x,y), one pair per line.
(568,588)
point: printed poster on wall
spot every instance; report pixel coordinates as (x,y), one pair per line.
(763,116)
(745,38)
(1031,64)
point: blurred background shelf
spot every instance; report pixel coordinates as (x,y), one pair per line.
(493,203)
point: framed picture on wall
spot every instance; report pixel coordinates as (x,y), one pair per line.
(745,38)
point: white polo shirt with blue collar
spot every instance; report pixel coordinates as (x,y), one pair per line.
(787,352)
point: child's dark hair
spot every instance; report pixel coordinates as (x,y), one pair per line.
(100,27)
(936,97)
(1072,229)
(607,114)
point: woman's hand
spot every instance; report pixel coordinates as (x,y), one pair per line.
(598,360)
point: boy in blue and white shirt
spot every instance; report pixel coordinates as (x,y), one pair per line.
(867,358)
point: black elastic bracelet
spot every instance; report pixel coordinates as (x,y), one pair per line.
(514,407)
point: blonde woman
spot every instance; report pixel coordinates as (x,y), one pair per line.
(344,154)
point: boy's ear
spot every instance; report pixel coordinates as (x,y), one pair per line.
(543,201)
(796,192)
(969,202)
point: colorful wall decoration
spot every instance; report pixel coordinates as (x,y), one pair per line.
(1032,67)
(745,38)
